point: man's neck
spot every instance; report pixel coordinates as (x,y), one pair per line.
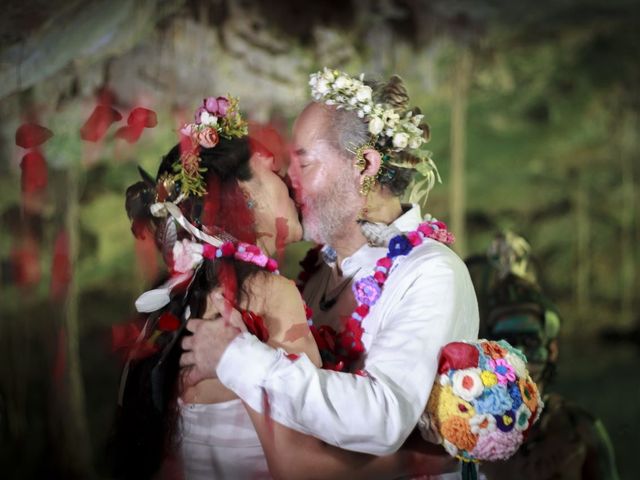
(352,239)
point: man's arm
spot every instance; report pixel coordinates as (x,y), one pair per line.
(372,414)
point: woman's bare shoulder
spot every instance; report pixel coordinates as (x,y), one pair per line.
(269,293)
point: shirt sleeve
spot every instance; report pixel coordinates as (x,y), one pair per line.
(371,414)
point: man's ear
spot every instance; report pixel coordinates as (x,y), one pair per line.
(373,162)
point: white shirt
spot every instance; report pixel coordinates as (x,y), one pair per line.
(428,301)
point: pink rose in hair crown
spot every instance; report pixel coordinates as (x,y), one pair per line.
(208,137)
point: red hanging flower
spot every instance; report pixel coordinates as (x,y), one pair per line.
(168,322)
(255,325)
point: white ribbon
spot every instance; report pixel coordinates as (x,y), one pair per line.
(161,209)
(157,298)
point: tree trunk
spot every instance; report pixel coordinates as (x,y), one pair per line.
(583,257)
(457,200)
(627,245)
(69,422)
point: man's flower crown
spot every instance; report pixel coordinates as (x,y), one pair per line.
(392,130)
(216,117)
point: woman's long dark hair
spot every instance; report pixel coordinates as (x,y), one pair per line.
(146,427)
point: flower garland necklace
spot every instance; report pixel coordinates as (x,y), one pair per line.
(341,350)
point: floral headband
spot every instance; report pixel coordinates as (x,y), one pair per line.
(392,128)
(216,117)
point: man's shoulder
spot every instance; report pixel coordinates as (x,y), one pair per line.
(433,254)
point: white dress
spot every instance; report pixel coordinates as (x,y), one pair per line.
(220,442)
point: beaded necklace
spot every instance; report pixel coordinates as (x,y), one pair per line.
(341,350)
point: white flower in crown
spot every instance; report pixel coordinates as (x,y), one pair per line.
(342,82)
(376,125)
(364,95)
(187,255)
(333,87)
(208,119)
(415,142)
(323,86)
(390,118)
(400,140)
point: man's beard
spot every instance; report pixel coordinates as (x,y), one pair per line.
(328,215)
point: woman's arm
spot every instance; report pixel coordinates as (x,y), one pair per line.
(291,454)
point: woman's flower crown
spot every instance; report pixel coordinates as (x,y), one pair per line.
(216,117)
(392,130)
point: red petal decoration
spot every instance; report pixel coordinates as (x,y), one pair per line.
(143,118)
(296,332)
(60,363)
(266,139)
(124,336)
(292,356)
(31,135)
(99,122)
(130,133)
(255,325)
(61,267)
(34,172)
(26,264)
(458,356)
(282,232)
(168,322)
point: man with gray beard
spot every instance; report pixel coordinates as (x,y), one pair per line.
(349,167)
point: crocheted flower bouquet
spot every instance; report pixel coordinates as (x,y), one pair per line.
(483,401)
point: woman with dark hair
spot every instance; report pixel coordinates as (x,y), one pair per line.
(216,209)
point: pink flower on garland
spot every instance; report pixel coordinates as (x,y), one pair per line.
(414,238)
(367,291)
(503,370)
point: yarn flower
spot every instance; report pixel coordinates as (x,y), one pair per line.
(514,393)
(506,421)
(529,393)
(523,414)
(503,370)
(497,445)
(443,403)
(493,350)
(519,365)
(482,423)
(458,432)
(366,291)
(494,400)
(489,378)
(399,245)
(467,383)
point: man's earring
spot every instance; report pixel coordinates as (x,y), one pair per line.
(367,184)
(251,204)
(361,163)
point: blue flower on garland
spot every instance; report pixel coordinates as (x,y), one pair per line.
(399,245)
